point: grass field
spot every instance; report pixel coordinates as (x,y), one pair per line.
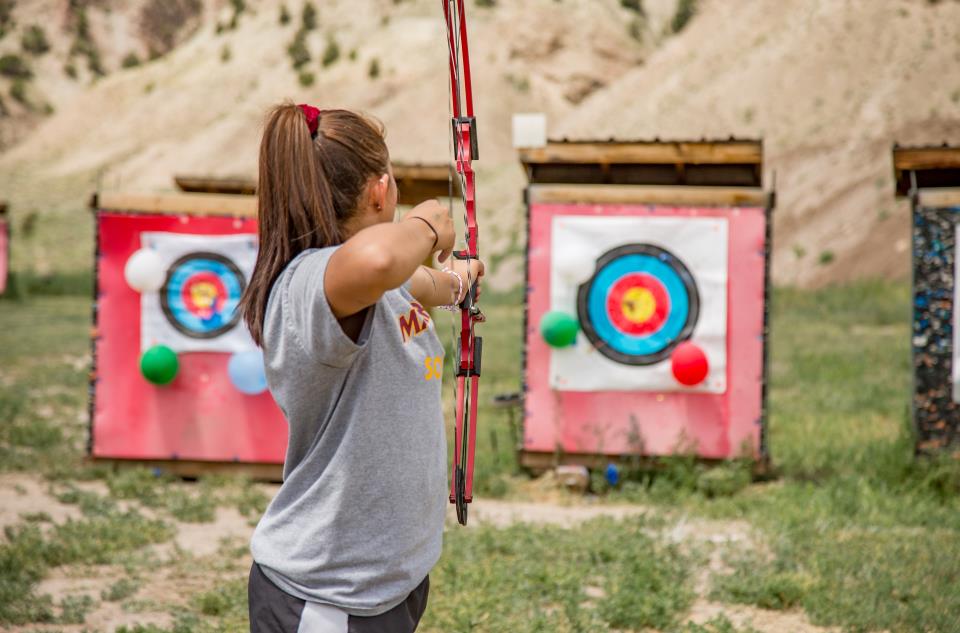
(852,531)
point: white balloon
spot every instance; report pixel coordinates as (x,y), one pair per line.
(144,271)
(575,263)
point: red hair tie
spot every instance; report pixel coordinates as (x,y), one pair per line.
(313,118)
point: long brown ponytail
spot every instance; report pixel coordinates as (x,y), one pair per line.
(308,188)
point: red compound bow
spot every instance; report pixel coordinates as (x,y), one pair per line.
(464,128)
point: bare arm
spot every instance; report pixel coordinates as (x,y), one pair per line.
(382,257)
(438,288)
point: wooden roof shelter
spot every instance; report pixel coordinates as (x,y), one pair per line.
(209,184)
(210,195)
(932,173)
(415,183)
(658,172)
(197,203)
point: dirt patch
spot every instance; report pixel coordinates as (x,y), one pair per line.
(205,539)
(504,513)
(202,554)
(24,494)
(760,619)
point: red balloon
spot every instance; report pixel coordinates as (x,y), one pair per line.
(689,364)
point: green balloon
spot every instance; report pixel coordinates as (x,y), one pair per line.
(559,329)
(159,365)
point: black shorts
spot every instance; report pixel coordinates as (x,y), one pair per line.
(274,611)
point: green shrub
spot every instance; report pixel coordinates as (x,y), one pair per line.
(298,51)
(120,590)
(636,28)
(685,12)
(137,483)
(84,46)
(308,18)
(18,90)
(331,53)
(374,71)
(130,60)
(226,54)
(34,40)
(306,78)
(6,16)
(239,7)
(74,609)
(633,5)
(284,15)
(15,67)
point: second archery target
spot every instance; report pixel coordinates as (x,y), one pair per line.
(640,286)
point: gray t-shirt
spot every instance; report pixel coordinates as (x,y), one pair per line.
(358,521)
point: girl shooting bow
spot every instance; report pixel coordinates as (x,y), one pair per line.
(338,302)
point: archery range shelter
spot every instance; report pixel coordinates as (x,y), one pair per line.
(658,254)
(930,177)
(206,238)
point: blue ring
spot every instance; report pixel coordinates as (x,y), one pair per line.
(630,344)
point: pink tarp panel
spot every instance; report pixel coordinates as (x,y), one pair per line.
(641,422)
(200,415)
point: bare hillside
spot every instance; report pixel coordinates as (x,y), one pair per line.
(198,108)
(829,84)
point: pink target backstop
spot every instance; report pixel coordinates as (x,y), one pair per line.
(200,416)
(599,423)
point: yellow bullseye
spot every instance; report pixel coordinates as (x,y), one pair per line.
(638,305)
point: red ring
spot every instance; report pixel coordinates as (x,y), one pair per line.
(615,304)
(200,277)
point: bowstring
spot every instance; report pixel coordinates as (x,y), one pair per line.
(453,85)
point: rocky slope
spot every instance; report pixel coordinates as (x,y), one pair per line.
(829,85)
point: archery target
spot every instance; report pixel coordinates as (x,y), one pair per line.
(196,308)
(639,304)
(639,286)
(201,295)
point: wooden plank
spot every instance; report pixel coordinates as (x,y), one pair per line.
(640,194)
(538,462)
(922,158)
(196,203)
(433,171)
(210,184)
(192,469)
(940,197)
(679,152)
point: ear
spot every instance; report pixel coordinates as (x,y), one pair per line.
(378,191)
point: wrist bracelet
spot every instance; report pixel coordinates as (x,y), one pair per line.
(455,305)
(436,237)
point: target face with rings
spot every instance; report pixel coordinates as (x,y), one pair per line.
(640,303)
(201,294)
